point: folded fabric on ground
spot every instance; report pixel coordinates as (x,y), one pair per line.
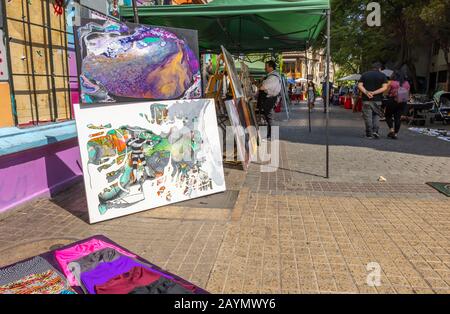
(35,276)
(106,271)
(162,286)
(73,253)
(127,282)
(90,261)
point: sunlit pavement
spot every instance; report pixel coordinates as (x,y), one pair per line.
(291,230)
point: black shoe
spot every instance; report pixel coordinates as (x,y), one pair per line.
(376,136)
(369,137)
(391,135)
(394,137)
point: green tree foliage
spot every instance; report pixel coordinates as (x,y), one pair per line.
(405,24)
(436,16)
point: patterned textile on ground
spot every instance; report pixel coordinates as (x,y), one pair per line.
(35,276)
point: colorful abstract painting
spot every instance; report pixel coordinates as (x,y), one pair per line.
(124,62)
(146,155)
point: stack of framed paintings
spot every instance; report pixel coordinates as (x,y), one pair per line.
(243,152)
(238,91)
(146,138)
(246,115)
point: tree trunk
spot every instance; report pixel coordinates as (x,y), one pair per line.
(412,70)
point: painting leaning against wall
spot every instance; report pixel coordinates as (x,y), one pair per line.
(146,155)
(124,62)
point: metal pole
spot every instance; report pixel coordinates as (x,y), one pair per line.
(135,11)
(328,91)
(307,73)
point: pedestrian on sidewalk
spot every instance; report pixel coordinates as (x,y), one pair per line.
(355,98)
(311,95)
(268,95)
(372,85)
(324,94)
(298,92)
(398,96)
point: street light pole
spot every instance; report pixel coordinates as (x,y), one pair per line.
(328,91)
(135,11)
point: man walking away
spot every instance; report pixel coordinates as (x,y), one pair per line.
(372,86)
(269,92)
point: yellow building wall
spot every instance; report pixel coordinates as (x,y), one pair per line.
(6,116)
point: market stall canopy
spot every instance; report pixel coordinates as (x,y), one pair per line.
(353,77)
(243,26)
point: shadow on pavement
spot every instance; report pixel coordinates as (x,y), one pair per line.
(347,129)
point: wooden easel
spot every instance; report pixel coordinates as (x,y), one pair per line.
(214,90)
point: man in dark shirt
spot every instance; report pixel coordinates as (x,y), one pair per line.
(372,86)
(324,94)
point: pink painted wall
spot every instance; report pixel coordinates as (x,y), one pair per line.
(38,172)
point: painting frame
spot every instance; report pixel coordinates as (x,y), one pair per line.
(241,139)
(145,83)
(233,74)
(135,157)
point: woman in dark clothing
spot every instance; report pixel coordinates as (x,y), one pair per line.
(398,97)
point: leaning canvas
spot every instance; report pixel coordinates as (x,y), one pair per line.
(239,133)
(233,74)
(125,62)
(146,155)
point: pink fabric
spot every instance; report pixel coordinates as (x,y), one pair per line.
(64,257)
(395,86)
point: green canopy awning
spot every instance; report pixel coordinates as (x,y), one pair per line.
(243,26)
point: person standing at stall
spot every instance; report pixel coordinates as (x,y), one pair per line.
(372,85)
(269,91)
(398,96)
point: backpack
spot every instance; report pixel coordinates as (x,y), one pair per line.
(402,95)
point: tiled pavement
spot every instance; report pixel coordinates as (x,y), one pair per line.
(303,244)
(291,231)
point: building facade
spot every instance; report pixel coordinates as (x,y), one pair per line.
(309,64)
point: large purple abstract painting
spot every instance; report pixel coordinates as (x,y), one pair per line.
(123,62)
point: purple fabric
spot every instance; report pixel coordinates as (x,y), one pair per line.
(105,271)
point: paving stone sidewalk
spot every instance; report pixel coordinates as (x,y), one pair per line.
(290,231)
